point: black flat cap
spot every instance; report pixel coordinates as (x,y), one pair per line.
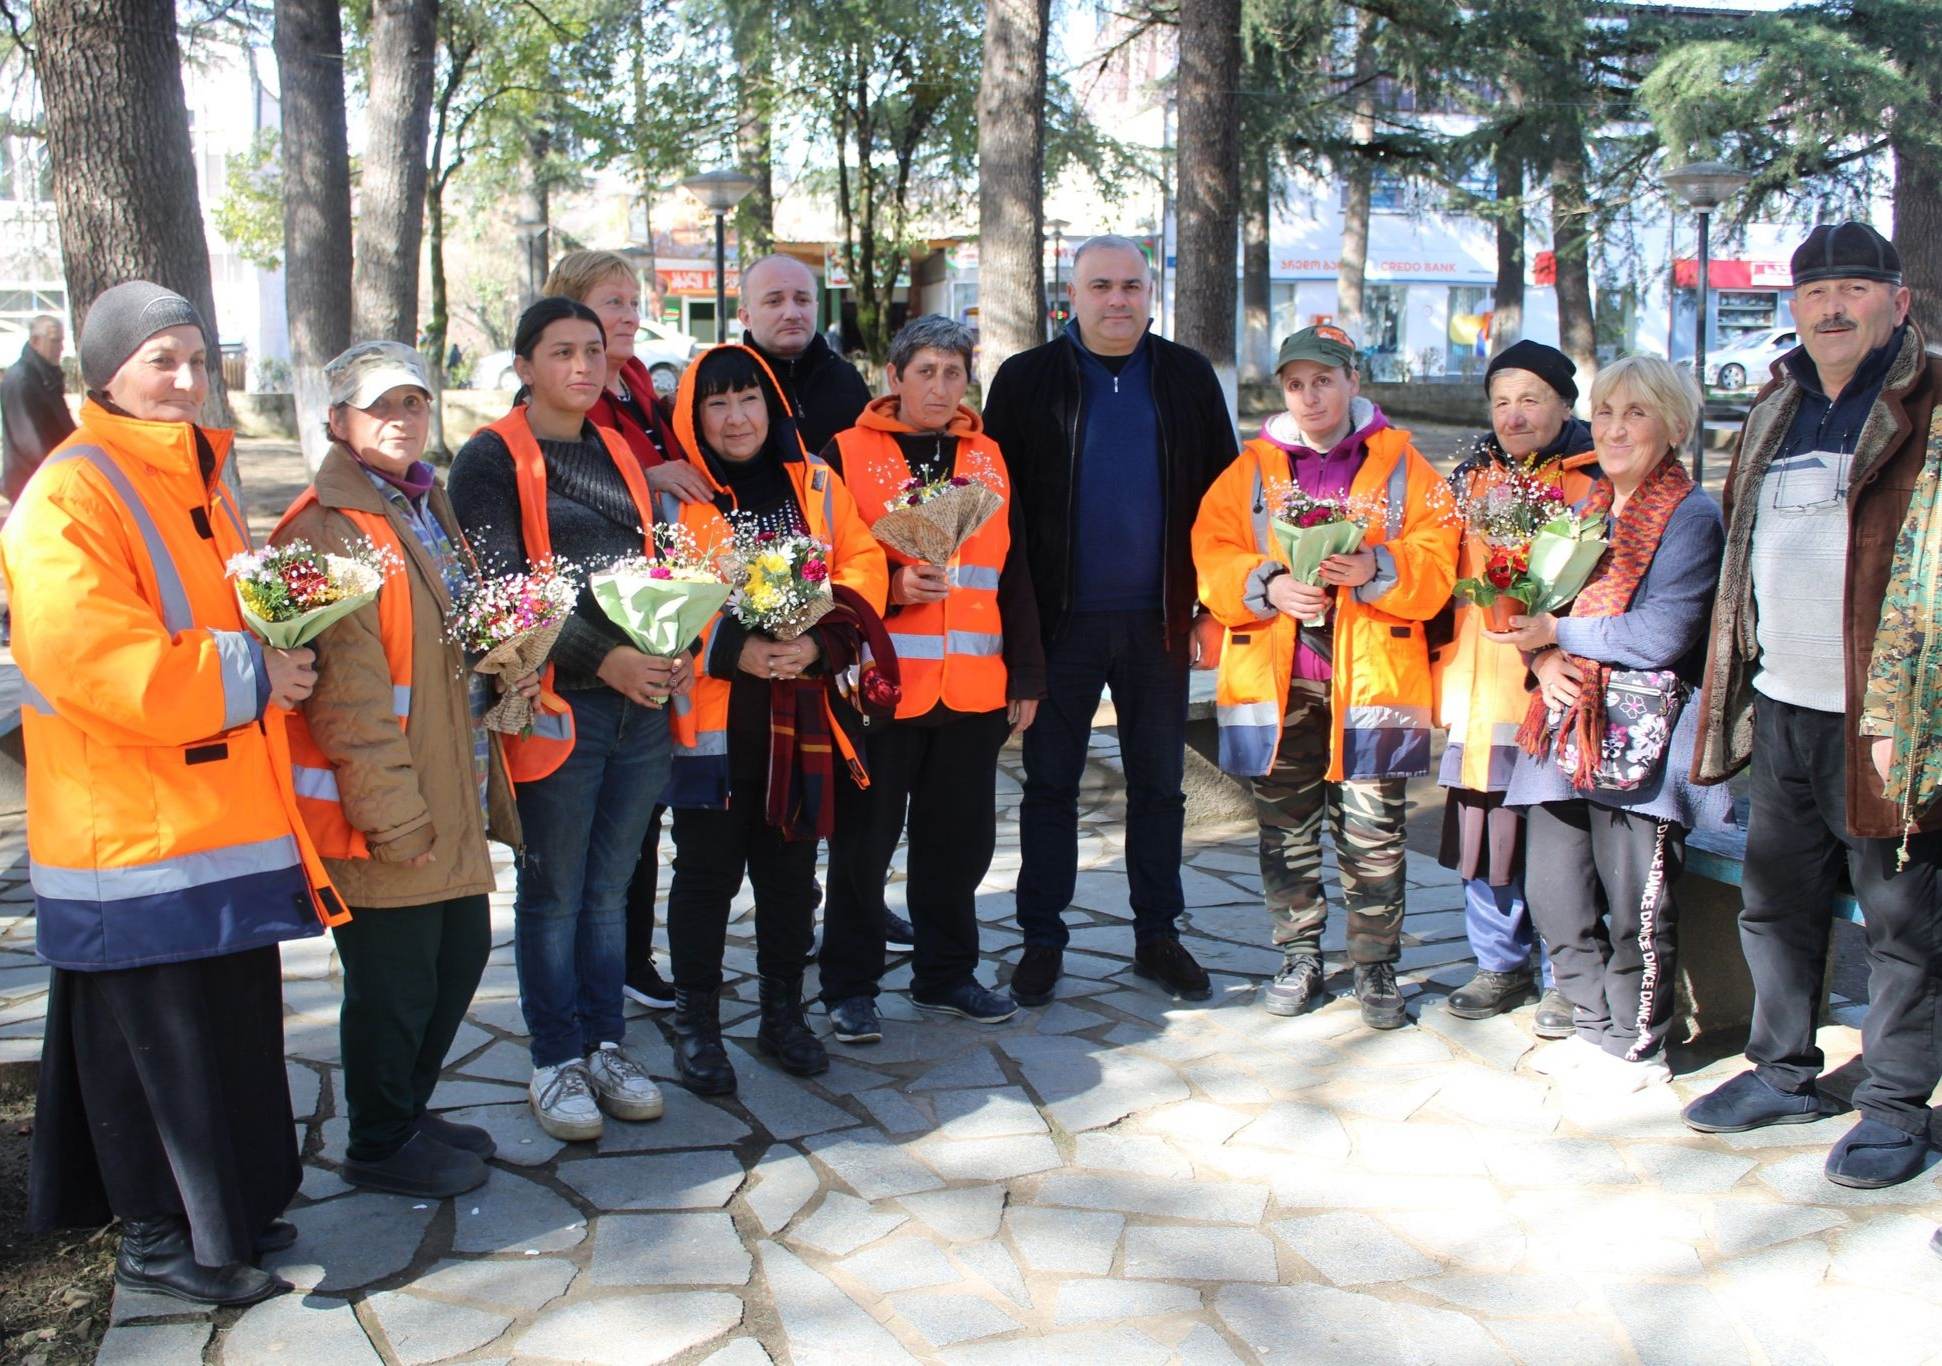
(1846,251)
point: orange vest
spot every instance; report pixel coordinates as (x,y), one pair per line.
(312,772)
(532,756)
(699,776)
(951,651)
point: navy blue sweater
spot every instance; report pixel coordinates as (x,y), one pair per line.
(1119,522)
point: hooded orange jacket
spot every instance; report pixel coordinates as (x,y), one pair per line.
(699,722)
(161,818)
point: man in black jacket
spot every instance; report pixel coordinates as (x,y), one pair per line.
(32,409)
(1111,435)
(779,320)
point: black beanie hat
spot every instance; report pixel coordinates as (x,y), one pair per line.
(1546,362)
(1846,251)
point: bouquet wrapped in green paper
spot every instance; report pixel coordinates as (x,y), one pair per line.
(290,593)
(1540,553)
(661,604)
(1310,529)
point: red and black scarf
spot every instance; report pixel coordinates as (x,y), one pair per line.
(1613,585)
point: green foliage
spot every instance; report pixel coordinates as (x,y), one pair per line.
(250,213)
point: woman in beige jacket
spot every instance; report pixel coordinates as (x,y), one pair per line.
(409,775)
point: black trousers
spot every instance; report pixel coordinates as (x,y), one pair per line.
(163,1094)
(712,851)
(941,781)
(409,974)
(1598,882)
(1797,842)
(641,892)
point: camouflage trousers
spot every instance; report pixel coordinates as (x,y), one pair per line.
(1365,817)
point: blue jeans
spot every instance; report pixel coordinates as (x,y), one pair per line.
(1499,926)
(584,824)
(1127,652)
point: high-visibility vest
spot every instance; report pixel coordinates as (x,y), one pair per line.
(312,773)
(532,756)
(162,822)
(951,651)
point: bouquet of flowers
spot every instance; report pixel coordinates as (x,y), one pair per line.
(512,622)
(779,585)
(1310,529)
(930,522)
(1539,553)
(289,593)
(662,603)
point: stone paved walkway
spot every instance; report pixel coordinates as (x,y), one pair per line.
(1114,1178)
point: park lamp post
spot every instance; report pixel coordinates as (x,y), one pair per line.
(1057,227)
(719,191)
(1705,185)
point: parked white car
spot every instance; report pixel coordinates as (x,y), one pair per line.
(664,350)
(1744,362)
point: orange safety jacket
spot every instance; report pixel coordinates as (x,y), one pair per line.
(699,775)
(312,772)
(1379,693)
(951,651)
(1480,685)
(532,756)
(161,819)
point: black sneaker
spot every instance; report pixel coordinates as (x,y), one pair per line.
(1489,993)
(1167,962)
(897,933)
(1555,1018)
(1297,988)
(424,1167)
(970,1001)
(646,986)
(854,1020)
(1381,998)
(1037,973)
(467,1138)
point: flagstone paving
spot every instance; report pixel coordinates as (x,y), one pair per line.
(1115,1178)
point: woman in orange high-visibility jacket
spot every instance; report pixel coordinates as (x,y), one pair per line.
(1332,719)
(734,764)
(169,858)
(543,483)
(972,668)
(398,778)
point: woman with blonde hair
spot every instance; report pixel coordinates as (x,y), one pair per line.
(1607,744)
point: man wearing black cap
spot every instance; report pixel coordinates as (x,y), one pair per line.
(1815,503)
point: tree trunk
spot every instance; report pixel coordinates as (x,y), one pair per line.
(645,165)
(1257,288)
(1210,176)
(1507,317)
(1353,267)
(316,205)
(1011,191)
(391,193)
(534,220)
(1918,229)
(754,45)
(1571,246)
(110,74)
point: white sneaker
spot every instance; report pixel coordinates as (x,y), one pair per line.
(1566,1056)
(562,1101)
(1609,1072)
(621,1085)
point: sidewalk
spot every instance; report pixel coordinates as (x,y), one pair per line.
(1113,1178)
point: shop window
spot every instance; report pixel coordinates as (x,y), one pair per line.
(1469,329)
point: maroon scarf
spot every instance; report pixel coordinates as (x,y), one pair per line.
(1614,583)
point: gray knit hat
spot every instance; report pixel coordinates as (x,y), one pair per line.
(121,319)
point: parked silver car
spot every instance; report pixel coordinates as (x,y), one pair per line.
(664,350)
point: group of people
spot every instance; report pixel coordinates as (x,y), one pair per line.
(197,797)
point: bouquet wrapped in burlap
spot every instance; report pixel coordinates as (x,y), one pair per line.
(931,522)
(511,623)
(779,585)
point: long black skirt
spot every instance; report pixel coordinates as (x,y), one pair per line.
(162,1093)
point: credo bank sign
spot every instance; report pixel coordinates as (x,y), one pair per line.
(1293,266)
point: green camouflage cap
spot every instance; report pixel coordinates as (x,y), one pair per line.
(1323,343)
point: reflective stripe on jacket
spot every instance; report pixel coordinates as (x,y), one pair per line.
(951,651)
(531,757)
(1380,691)
(699,775)
(162,823)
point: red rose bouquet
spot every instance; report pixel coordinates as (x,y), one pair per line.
(1309,529)
(1539,553)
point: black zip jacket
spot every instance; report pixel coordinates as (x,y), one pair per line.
(824,391)
(1035,415)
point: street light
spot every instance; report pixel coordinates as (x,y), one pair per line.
(719,191)
(1057,227)
(1705,185)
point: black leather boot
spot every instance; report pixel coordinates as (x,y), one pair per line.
(785,1034)
(156,1256)
(699,1057)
